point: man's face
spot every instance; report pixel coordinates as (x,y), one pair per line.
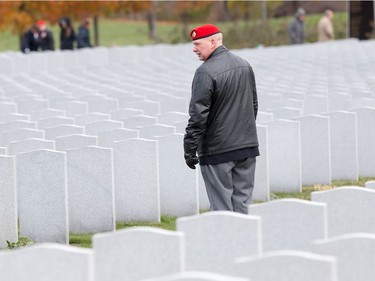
(203,48)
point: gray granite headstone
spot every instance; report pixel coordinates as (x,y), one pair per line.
(63,130)
(203,234)
(90,190)
(46,262)
(125,254)
(178,183)
(136,173)
(8,202)
(42,194)
(16,147)
(343,220)
(74,141)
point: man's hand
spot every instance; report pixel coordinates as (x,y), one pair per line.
(191,160)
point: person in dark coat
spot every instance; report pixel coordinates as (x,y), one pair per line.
(30,40)
(67,35)
(296,28)
(47,42)
(83,38)
(221,128)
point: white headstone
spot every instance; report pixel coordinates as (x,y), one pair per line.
(137,253)
(197,276)
(288,266)
(370,184)
(366,145)
(355,255)
(107,138)
(136,172)
(178,183)
(284,146)
(261,190)
(81,120)
(19,134)
(155,130)
(8,202)
(136,121)
(16,147)
(46,262)
(343,220)
(54,121)
(213,240)
(90,190)
(94,128)
(74,141)
(285,225)
(315,150)
(52,133)
(42,194)
(14,125)
(46,113)
(344,146)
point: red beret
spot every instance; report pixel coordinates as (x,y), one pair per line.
(203,31)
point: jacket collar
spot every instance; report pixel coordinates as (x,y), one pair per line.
(218,51)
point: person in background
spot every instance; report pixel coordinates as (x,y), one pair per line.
(83,38)
(30,40)
(67,34)
(221,128)
(325,27)
(46,37)
(296,28)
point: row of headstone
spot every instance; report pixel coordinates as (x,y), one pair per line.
(303,241)
(105,105)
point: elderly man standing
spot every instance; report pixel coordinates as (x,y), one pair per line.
(296,28)
(325,27)
(221,128)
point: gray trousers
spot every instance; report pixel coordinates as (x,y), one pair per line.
(230,185)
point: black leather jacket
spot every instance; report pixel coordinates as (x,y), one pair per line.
(223,106)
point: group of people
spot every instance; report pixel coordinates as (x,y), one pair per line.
(40,38)
(296,28)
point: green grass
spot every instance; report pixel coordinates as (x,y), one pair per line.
(239,34)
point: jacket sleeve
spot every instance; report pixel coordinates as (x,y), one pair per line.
(199,109)
(255,95)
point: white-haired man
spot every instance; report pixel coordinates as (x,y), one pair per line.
(221,128)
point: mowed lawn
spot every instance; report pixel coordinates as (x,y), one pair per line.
(117,32)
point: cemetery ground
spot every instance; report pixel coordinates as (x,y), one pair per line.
(239,34)
(169,223)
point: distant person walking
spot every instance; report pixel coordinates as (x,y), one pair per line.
(46,42)
(67,34)
(325,27)
(83,38)
(296,28)
(30,40)
(221,128)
